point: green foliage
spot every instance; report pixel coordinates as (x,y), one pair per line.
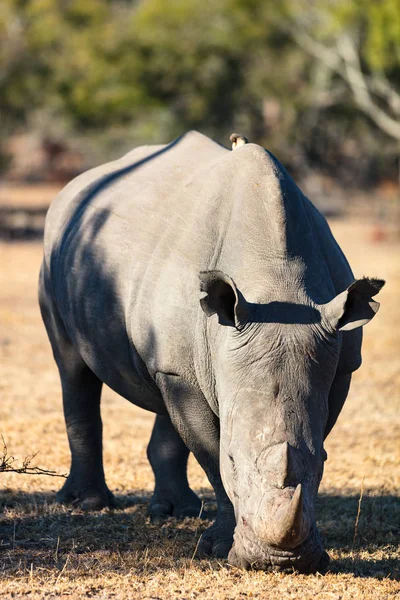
(153,68)
(379,23)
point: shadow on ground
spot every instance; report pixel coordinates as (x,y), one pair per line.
(35,530)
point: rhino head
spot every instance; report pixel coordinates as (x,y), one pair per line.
(274,364)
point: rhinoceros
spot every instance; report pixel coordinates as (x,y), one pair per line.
(199,283)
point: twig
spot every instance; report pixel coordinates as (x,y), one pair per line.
(63,569)
(195,533)
(201,510)
(358,511)
(57,547)
(7,465)
(195,550)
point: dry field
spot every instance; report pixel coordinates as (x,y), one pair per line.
(47,550)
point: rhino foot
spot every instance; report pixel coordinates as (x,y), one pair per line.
(93,498)
(164,505)
(215,541)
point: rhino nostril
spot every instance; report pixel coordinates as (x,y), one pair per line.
(245,523)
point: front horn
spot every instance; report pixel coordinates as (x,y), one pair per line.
(290,530)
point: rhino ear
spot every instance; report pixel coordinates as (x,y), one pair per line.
(223,298)
(354,307)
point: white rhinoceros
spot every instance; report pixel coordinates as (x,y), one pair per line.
(249,370)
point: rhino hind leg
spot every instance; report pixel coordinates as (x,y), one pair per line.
(168,456)
(85,486)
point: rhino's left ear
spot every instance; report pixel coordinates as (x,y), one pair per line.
(354,307)
(223,298)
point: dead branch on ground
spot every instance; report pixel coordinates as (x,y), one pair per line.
(7,464)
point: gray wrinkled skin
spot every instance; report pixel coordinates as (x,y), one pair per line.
(250,373)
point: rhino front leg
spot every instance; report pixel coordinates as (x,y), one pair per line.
(168,456)
(198,426)
(85,485)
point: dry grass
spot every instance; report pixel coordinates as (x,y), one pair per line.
(53,551)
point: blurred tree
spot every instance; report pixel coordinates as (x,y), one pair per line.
(314,81)
(360,42)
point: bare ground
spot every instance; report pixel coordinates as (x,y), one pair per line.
(48,550)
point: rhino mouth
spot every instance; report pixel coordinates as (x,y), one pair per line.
(309,557)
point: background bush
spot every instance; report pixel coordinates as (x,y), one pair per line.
(111,74)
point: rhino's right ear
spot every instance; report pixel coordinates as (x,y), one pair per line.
(354,307)
(223,298)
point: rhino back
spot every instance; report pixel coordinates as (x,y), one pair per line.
(125,243)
